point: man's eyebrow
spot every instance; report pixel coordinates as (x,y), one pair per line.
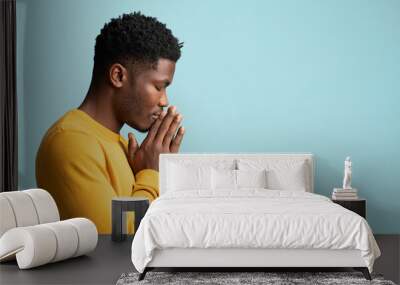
(165,81)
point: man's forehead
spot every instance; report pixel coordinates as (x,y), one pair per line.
(163,70)
(165,66)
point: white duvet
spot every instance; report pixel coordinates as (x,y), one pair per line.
(250,218)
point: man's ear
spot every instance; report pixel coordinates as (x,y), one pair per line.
(118,75)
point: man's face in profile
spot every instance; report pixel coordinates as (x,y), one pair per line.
(144,96)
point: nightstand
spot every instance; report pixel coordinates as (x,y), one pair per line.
(121,205)
(358,206)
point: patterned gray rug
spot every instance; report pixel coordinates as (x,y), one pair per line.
(229,278)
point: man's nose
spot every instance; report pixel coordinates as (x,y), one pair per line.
(164,100)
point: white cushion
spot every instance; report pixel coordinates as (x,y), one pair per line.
(7,220)
(223,179)
(32,246)
(45,206)
(23,208)
(31,232)
(290,179)
(281,174)
(40,244)
(275,164)
(184,177)
(87,233)
(66,237)
(227,179)
(26,208)
(171,171)
(251,178)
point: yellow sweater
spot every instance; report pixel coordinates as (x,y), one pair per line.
(83,165)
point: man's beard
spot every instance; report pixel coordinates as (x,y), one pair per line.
(138,128)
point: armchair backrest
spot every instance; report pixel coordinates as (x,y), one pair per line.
(26,208)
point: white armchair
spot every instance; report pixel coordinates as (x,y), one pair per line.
(31,230)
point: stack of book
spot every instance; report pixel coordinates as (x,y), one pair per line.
(344,194)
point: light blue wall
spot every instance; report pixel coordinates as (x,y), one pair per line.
(255,76)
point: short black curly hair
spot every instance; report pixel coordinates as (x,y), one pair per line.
(134,38)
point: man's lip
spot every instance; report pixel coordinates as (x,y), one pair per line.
(155,116)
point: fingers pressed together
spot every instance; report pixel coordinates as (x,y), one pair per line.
(164,136)
(166,131)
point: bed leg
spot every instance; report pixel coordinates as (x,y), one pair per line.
(364,271)
(143,274)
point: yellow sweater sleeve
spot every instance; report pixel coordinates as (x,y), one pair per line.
(72,168)
(146,184)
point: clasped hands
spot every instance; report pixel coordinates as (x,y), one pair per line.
(164,136)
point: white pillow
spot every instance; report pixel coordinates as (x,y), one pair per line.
(285,174)
(292,178)
(188,177)
(234,179)
(251,178)
(223,179)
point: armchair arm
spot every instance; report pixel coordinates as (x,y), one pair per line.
(40,244)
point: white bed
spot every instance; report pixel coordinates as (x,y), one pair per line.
(198,223)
